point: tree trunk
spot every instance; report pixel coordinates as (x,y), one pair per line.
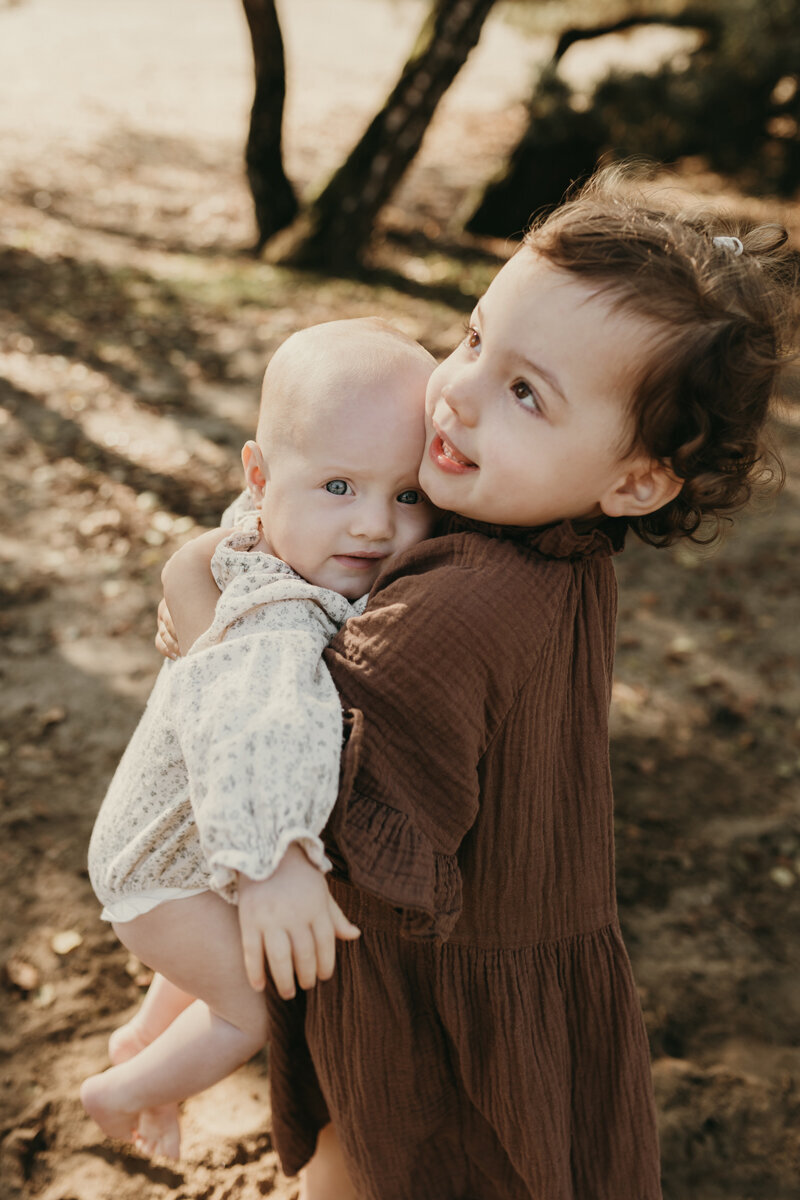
(342,217)
(273,195)
(561,145)
(689,18)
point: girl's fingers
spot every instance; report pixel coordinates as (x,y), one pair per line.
(325,940)
(167,649)
(341,926)
(305,957)
(163,616)
(279,960)
(166,638)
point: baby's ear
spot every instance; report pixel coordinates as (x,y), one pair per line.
(645,486)
(255,471)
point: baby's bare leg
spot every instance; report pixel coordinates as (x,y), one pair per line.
(162,1004)
(156,1127)
(325,1177)
(194,943)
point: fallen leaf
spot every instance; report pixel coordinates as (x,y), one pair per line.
(66,941)
(22,974)
(45,996)
(782,876)
(680,648)
(53,716)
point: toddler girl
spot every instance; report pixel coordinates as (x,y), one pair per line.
(482,1039)
(233,769)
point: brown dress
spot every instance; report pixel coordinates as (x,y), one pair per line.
(483,1039)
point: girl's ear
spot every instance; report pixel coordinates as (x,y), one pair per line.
(646,486)
(255,470)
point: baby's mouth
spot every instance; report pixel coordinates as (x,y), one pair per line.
(360,560)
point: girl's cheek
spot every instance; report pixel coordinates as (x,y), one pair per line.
(431,392)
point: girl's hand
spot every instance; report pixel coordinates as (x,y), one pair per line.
(292,921)
(166,637)
(190,592)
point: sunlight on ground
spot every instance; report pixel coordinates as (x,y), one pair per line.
(135,334)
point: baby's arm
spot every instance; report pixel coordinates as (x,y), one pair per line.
(259,725)
(292,921)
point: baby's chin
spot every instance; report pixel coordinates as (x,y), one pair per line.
(348,587)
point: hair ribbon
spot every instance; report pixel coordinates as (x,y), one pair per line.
(733,244)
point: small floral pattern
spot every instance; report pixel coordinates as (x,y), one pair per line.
(237,753)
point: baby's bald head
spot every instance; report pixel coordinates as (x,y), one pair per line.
(322,375)
(334,473)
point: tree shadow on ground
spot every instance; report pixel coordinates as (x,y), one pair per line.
(124,323)
(177,188)
(60,438)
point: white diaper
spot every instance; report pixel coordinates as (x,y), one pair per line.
(128,907)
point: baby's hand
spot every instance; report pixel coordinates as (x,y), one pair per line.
(292,921)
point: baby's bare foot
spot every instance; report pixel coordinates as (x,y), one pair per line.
(126,1042)
(157,1129)
(97,1097)
(159,1133)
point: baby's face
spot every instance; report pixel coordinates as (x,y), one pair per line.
(527,418)
(338,506)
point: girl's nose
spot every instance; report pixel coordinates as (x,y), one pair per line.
(459,397)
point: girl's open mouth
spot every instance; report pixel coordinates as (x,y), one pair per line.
(444,454)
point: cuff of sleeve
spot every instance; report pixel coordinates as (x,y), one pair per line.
(387,855)
(224,864)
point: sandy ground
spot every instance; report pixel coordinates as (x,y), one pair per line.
(132,336)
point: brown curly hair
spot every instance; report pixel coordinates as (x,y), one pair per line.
(725,328)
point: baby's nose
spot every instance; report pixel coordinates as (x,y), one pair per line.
(372,521)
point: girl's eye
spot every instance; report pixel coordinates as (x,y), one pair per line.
(337,487)
(472,338)
(526,397)
(410,497)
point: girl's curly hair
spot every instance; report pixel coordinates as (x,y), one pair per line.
(723,325)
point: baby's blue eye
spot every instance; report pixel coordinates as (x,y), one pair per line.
(410,497)
(336,487)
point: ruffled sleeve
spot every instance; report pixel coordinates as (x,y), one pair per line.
(426,680)
(258,719)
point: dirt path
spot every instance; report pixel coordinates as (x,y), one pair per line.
(132,337)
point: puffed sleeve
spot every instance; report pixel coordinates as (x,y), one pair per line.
(426,676)
(259,725)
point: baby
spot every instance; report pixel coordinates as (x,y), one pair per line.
(233,770)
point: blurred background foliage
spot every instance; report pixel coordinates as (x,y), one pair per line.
(728,92)
(731,97)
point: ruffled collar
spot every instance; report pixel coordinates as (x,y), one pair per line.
(564,539)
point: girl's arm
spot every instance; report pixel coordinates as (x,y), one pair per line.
(427,676)
(190,592)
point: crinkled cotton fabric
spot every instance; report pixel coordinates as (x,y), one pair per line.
(483,1038)
(237,753)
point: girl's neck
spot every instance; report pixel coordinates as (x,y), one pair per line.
(563,539)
